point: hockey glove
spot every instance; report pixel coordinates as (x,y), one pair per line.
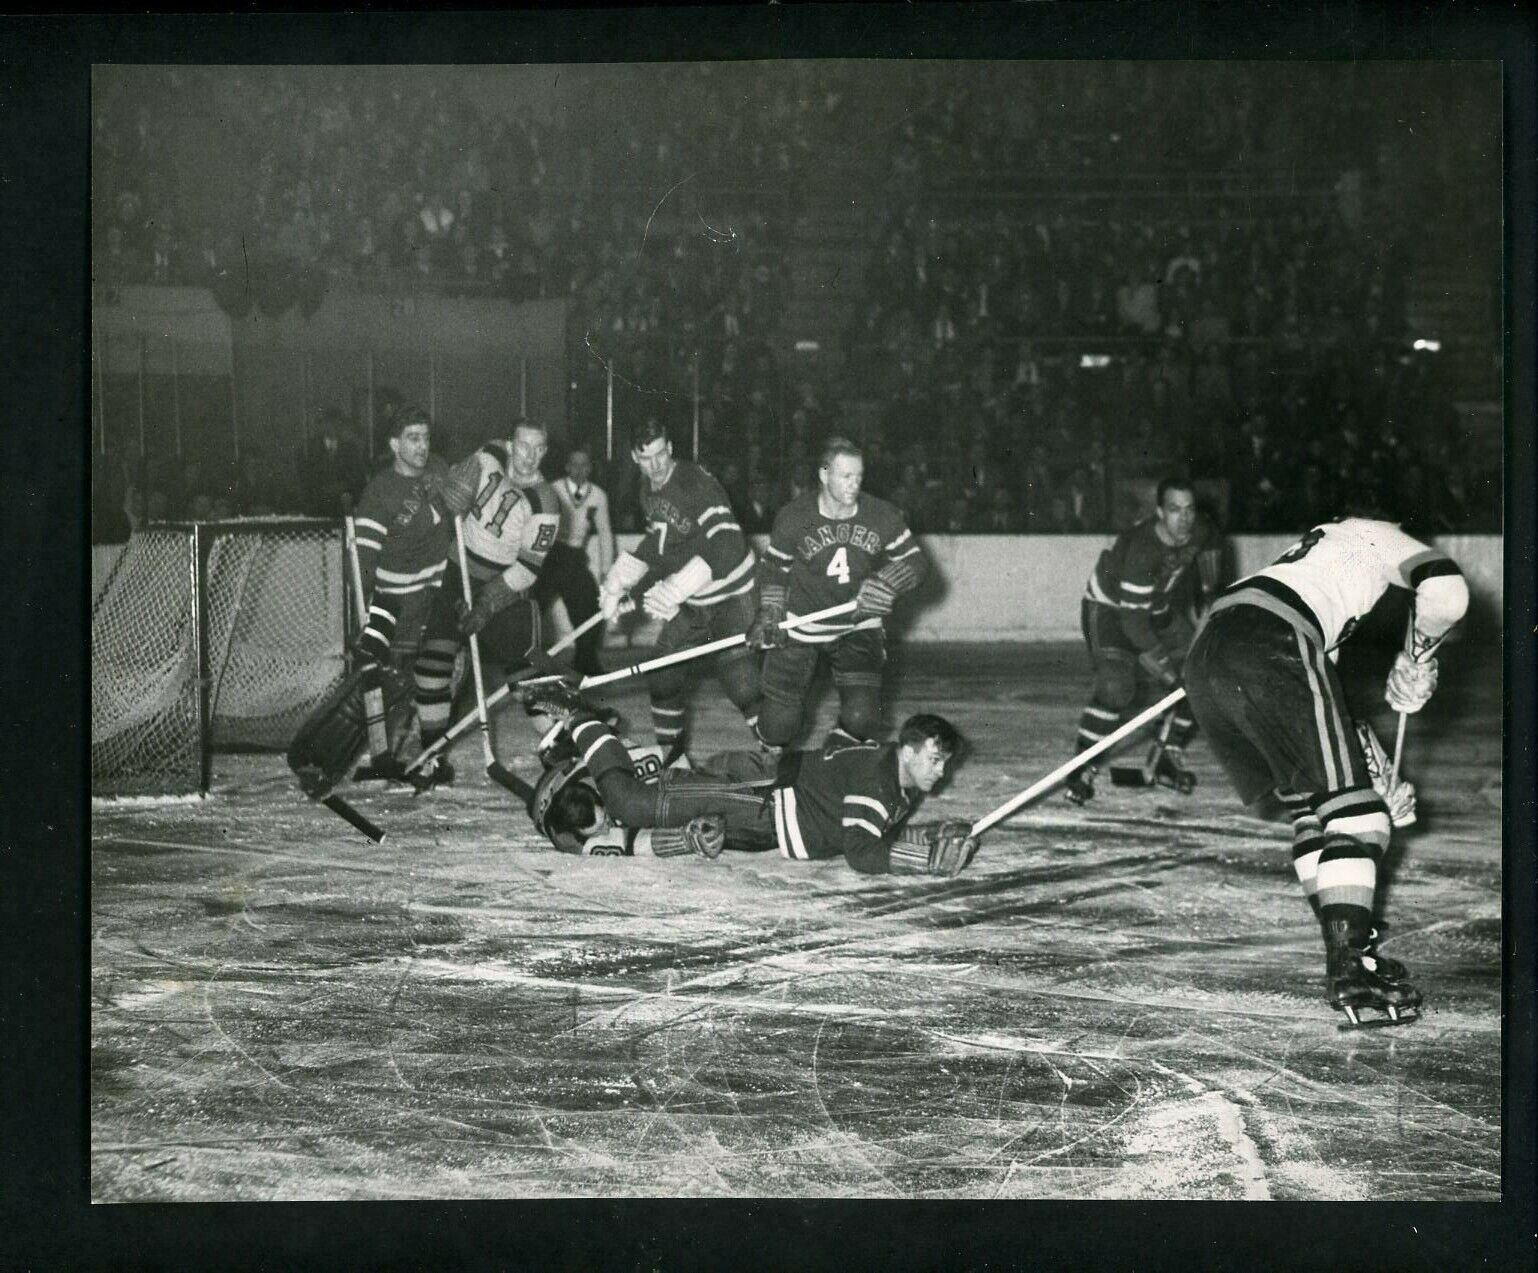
(627,571)
(1160,666)
(1400,798)
(1410,684)
(875,598)
(663,599)
(493,599)
(766,633)
(934,848)
(705,836)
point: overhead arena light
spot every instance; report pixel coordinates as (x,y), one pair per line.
(1094,360)
(1428,346)
(807,346)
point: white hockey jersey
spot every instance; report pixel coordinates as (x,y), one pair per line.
(1328,581)
(507,530)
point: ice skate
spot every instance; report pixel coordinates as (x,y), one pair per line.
(437,772)
(1080,787)
(1170,771)
(1360,980)
(382,769)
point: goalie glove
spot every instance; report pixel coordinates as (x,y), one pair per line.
(627,571)
(1400,798)
(494,598)
(934,848)
(1410,684)
(766,633)
(663,599)
(1159,665)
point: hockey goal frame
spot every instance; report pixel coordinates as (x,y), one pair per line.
(326,534)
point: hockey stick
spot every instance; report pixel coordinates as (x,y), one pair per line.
(1143,775)
(495,770)
(710,647)
(1421,657)
(1077,762)
(350,534)
(497,695)
(347,813)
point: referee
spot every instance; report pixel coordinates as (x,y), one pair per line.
(584,513)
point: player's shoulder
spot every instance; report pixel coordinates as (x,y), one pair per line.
(882,513)
(853,753)
(798,512)
(694,477)
(493,454)
(386,484)
(1139,540)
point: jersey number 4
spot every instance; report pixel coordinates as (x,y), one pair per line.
(838,567)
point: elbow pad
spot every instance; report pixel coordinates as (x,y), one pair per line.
(1440,602)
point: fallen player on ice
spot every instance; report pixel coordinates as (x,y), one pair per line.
(851,798)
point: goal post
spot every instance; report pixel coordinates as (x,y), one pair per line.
(207,637)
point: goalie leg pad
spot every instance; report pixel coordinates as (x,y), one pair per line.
(335,732)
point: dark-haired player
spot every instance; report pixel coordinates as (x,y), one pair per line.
(1261,681)
(849,799)
(404,533)
(1135,619)
(829,545)
(698,569)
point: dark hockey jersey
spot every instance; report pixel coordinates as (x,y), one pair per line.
(404,535)
(690,517)
(1142,576)
(824,560)
(844,799)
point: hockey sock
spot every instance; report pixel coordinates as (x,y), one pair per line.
(1094,724)
(668,725)
(1182,727)
(433,673)
(1347,874)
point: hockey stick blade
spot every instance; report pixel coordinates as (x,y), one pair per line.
(1130,776)
(348,814)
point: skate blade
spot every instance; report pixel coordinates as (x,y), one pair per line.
(1391,1016)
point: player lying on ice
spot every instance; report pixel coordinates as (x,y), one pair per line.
(1262,683)
(851,798)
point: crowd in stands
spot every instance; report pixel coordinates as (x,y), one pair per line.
(1033,328)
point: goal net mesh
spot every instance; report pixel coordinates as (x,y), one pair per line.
(273,597)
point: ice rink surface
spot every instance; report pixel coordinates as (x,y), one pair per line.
(1120,1001)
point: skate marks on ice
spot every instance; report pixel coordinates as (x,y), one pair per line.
(1123,1002)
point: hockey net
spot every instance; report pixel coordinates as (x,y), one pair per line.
(252,613)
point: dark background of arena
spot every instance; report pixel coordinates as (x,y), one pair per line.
(1026,288)
(45,294)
